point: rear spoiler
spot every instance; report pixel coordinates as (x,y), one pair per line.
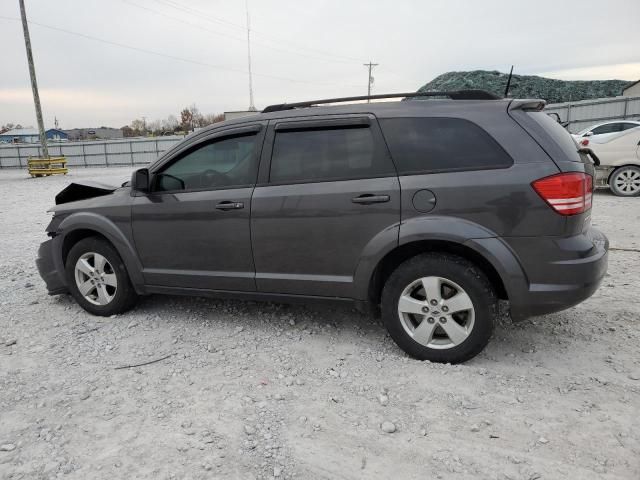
(529,104)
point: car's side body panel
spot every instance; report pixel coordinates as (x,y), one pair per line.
(309,237)
(185,241)
(622,150)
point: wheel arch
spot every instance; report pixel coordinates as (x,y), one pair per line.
(615,168)
(82,225)
(74,236)
(403,252)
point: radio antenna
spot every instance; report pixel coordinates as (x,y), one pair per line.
(506,90)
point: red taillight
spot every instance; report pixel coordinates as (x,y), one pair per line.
(567,193)
(584,142)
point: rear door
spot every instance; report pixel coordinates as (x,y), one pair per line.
(327,189)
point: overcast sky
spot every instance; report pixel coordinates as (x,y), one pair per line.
(301,50)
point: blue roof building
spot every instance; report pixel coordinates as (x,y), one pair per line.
(30,135)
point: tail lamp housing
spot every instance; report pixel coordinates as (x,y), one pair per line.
(567,193)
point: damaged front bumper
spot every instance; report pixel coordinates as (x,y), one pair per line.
(46,266)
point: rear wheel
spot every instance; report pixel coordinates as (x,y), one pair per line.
(625,181)
(98,279)
(439,307)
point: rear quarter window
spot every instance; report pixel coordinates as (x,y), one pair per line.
(429,145)
(558,134)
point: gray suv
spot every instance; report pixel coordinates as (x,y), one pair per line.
(433,209)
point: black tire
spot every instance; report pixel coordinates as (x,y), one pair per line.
(463,273)
(624,190)
(125,296)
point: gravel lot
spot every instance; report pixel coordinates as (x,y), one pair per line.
(254,390)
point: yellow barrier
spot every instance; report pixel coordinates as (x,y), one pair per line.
(39,167)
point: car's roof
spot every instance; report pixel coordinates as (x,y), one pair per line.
(380,109)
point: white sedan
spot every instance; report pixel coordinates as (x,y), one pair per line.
(619,156)
(603,132)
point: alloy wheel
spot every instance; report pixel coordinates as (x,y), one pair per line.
(627,181)
(95,278)
(436,312)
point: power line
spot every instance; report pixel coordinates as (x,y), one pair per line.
(205,16)
(173,57)
(228,36)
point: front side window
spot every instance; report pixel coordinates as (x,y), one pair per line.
(223,163)
(425,145)
(318,154)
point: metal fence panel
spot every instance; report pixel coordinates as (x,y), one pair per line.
(585,113)
(134,151)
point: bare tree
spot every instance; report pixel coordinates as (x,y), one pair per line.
(155,127)
(186,119)
(170,123)
(138,126)
(212,118)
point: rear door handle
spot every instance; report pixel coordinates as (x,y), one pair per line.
(229,205)
(369,198)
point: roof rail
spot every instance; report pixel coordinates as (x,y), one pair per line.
(453,95)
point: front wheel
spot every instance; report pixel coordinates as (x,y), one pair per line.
(439,307)
(625,181)
(98,279)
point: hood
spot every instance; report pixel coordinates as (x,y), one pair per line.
(83,190)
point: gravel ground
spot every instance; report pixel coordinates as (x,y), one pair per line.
(253,390)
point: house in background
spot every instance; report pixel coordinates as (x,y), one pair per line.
(101,133)
(30,135)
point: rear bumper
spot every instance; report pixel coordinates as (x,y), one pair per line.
(562,272)
(48,271)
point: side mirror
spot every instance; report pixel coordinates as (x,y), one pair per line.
(140,180)
(588,134)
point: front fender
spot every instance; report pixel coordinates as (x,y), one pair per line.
(110,230)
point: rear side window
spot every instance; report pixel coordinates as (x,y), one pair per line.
(608,128)
(426,145)
(628,126)
(317,154)
(558,134)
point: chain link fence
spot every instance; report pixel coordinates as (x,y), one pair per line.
(104,153)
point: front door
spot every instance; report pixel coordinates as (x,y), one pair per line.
(331,189)
(192,230)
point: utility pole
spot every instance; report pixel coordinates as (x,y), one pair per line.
(370,65)
(34,84)
(252,107)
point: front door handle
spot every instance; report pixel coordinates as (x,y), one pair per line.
(229,205)
(369,198)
